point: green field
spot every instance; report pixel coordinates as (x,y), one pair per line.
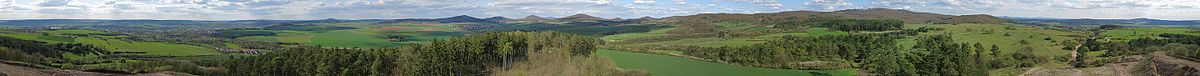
(814,32)
(347,38)
(365,35)
(621,37)
(1134,33)
(662,65)
(148,48)
(75,32)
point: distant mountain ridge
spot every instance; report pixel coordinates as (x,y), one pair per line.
(873,13)
(1136,21)
(497,18)
(581,17)
(533,17)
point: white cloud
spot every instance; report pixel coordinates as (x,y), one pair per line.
(49,3)
(643,1)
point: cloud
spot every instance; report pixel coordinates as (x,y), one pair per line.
(827,5)
(643,1)
(50,3)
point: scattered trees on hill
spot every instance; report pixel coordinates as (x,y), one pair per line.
(48,50)
(1179,44)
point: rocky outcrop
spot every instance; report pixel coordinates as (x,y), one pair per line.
(1166,65)
(1168,69)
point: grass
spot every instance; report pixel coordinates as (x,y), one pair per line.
(259,38)
(233,46)
(662,65)
(621,37)
(42,38)
(293,36)
(150,48)
(814,32)
(365,35)
(1134,33)
(349,38)
(706,42)
(75,32)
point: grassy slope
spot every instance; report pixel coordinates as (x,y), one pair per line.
(662,65)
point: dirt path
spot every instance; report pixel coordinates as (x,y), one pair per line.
(12,70)
(1040,71)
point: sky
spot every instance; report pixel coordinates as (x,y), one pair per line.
(392,9)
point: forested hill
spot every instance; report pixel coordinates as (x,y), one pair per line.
(874,13)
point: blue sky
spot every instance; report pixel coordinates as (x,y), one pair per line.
(390,9)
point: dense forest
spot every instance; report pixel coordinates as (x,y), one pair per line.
(472,55)
(791,51)
(859,24)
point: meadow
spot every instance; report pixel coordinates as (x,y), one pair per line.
(662,65)
(1134,33)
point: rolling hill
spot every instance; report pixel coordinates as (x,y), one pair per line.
(1097,22)
(873,13)
(581,17)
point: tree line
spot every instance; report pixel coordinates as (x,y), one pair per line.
(469,55)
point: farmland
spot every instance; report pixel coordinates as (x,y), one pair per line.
(116,45)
